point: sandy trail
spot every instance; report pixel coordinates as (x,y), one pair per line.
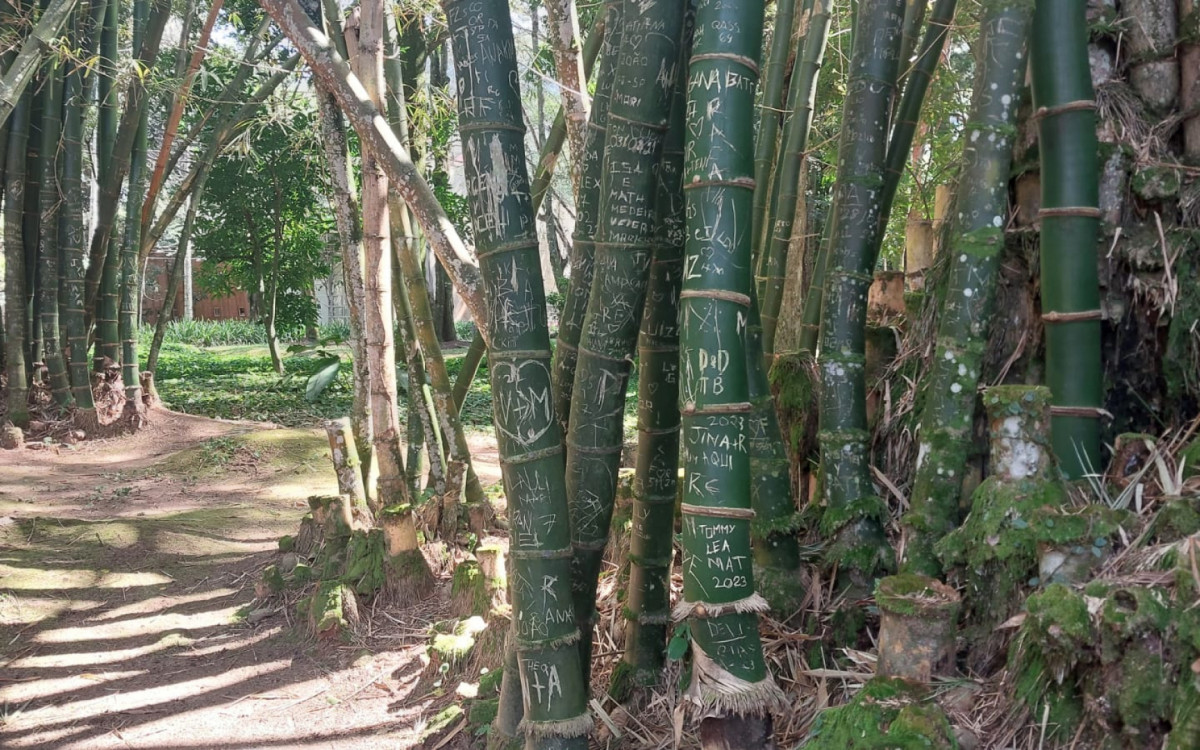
(126,570)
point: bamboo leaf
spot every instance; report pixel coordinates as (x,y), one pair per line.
(322,378)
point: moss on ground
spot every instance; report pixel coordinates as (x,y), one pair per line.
(887,714)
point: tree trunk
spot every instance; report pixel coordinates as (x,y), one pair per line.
(976,238)
(1065,105)
(528,433)
(854,513)
(639,111)
(729,677)
(48,207)
(73,232)
(16,331)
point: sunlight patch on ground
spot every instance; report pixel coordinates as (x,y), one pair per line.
(48,687)
(25,610)
(138,701)
(18,578)
(92,658)
(156,603)
(153,623)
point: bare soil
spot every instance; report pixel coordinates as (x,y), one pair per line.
(128,616)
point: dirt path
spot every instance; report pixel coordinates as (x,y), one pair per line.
(127,572)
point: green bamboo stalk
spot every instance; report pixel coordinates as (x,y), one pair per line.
(16,338)
(729,676)
(35,47)
(543,174)
(975,240)
(810,323)
(1065,107)
(109,263)
(776,549)
(655,482)
(910,32)
(771,110)
(528,433)
(802,100)
(106,97)
(854,513)
(130,276)
(638,112)
(587,220)
(48,206)
(31,230)
(909,111)
(470,364)
(72,232)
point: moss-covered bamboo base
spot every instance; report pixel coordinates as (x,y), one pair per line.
(1112,665)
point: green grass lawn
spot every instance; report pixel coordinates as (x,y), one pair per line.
(238,382)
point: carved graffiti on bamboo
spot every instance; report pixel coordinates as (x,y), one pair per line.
(524,410)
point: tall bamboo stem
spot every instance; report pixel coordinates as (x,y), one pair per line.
(802,101)
(976,238)
(528,433)
(1065,107)
(587,220)
(49,205)
(729,676)
(854,513)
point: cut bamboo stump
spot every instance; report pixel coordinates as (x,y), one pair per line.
(918,622)
(347,466)
(918,250)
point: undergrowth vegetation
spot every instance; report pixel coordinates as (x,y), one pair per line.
(222,369)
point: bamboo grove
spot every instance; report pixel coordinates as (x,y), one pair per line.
(810,430)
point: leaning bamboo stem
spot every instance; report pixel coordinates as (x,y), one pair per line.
(176,114)
(333,71)
(771,112)
(976,238)
(909,112)
(802,101)
(35,47)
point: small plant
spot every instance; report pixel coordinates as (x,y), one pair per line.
(328,365)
